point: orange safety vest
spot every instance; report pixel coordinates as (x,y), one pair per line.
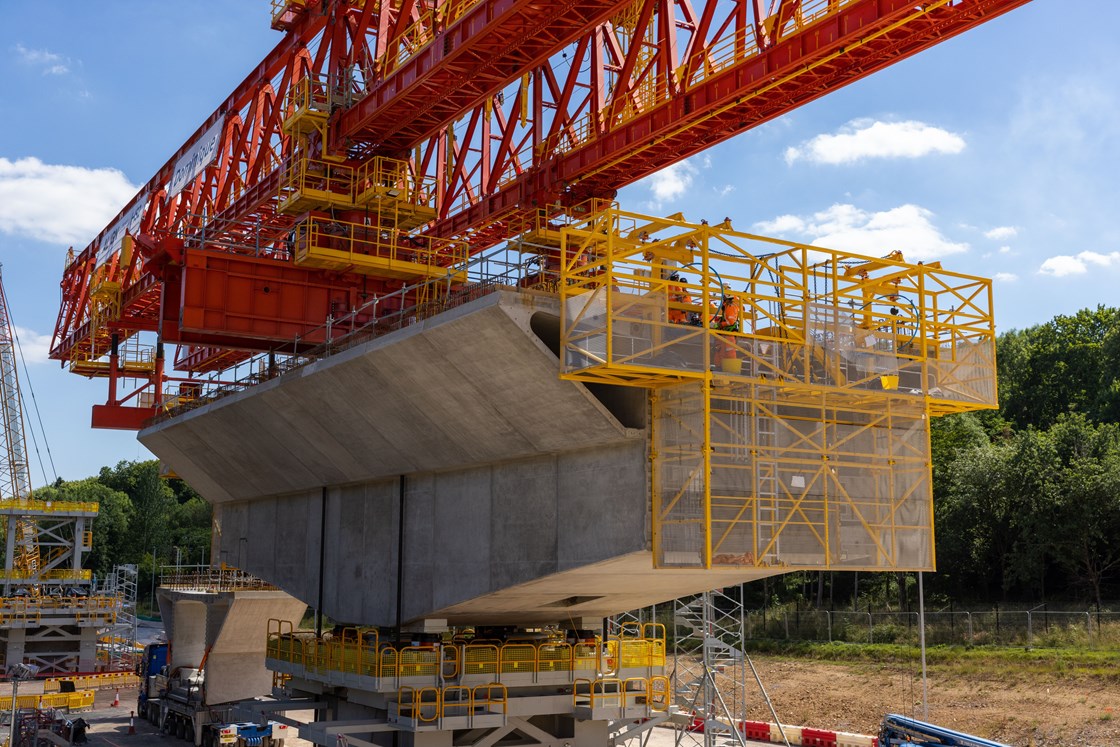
(728,316)
(677,295)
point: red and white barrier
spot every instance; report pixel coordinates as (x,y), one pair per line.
(762,731)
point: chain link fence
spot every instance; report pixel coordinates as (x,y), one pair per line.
(1031,627)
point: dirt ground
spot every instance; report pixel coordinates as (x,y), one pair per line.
(1044,710)
(1041,710)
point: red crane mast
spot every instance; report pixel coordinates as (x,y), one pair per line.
(381,144)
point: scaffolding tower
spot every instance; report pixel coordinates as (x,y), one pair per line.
(791,386)
(118,643)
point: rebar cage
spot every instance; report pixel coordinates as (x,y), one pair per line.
(792,385)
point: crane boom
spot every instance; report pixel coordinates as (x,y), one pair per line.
(15,478)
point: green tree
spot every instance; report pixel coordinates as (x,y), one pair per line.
(111,529)
(1068,364)
(1087,517)
(153,501)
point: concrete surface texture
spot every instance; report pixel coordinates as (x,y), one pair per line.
(520,497)
(228,630)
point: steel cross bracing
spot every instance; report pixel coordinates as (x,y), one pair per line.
(506,108)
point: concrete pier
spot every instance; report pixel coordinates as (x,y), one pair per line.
(225,631)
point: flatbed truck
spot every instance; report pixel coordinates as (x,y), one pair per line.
(176,703)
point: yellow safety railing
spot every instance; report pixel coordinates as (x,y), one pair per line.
(430,705)
(493,697)
(383,250)
(605,692)
(456,701)
(659,694)
(17,607)
(480,659)
(612,692)
(391,178)
(424,704)
(57,574)
(359,651)
(309,183)
(72,701)
(50,507)
(519,658)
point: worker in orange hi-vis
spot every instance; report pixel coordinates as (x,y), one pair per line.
(677,296)
(726,319)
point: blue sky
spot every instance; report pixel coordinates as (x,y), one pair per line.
(995,152)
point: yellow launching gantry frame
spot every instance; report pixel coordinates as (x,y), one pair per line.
(791,386)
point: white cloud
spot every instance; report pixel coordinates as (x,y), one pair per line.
(48,62)
(848,228)
(59,204)
(1002,233)
(864,138)
(34,345)
(1005,250)
(672,181)
(1006,277)
(1064,264)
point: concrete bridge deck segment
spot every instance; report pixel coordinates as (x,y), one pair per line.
(519,497)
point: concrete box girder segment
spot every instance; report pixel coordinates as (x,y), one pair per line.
(525,497)
(471,386)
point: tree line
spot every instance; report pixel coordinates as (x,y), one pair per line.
(1026,497)
(142,518)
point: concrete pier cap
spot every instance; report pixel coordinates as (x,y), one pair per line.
(444,472)
(225,632)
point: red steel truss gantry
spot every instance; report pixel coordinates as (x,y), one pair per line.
(442,127)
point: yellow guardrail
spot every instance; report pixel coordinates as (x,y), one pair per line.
(32,609)
(104,681)
(58,574)
(612,692)
(326,243)
(61,507)
(355,651)
(72,701)
(430,705)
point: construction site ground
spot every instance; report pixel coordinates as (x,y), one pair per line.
(1015,705)
(1045,709)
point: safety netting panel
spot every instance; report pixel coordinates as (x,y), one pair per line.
(630,332)
(794,480)
(680,478)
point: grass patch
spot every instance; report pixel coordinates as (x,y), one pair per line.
(1060,662)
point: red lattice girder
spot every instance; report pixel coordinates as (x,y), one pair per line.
(472,59)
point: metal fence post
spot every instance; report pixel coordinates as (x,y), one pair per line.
(870,626)
(828,615)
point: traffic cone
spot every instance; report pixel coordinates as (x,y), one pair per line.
(131,722)
(116,699)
